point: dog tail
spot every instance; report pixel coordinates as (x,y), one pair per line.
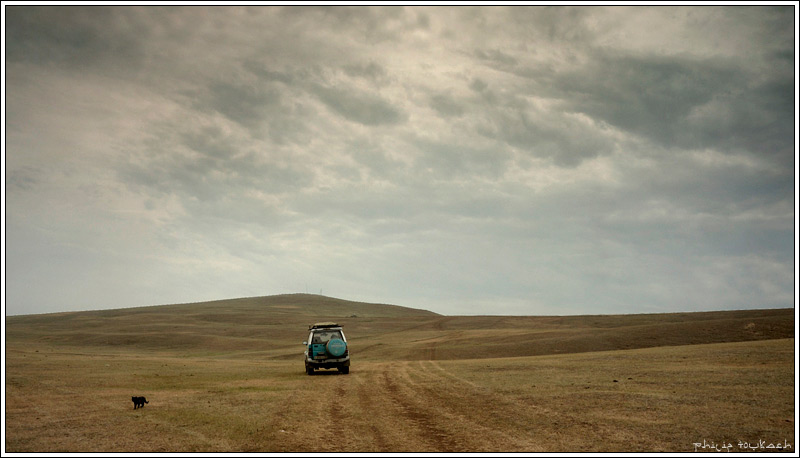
(146,401)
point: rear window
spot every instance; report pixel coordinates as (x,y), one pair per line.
(324,336)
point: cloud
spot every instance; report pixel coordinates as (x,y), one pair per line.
(371,71)
(244,104)
(73,37)
(468,160)
(359,106)
(682,102)
(446,105)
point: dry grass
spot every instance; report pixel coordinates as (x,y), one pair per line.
(228,377)
(654,399)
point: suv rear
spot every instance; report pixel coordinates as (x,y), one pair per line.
(326,348)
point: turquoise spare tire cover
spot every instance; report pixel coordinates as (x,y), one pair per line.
(336,347)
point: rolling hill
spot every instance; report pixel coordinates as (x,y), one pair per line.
(227,376)
(274,326)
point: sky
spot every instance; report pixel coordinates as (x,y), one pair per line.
(469,160)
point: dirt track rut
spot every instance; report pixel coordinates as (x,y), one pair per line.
(403,407)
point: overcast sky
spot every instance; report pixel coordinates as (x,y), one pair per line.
(465,160)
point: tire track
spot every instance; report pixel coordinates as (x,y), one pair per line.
(487,421)
(516,415)
(335,413)
(407,407)
(368,404)
(354,416)
(423,419)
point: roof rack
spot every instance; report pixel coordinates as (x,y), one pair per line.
(323,325)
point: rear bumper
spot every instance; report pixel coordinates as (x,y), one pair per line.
(328,363)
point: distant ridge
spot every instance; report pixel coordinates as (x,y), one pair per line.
(273,327)
(297,303)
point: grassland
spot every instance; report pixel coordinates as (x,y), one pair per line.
(227,376)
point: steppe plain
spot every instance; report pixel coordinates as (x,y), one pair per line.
(228,376)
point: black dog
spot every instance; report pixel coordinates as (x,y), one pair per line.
(138,401)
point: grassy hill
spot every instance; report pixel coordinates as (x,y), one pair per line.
(227,376)
(262,324)
(274,327)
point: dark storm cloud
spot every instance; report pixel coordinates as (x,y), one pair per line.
(247,105)
(362,105)
(682,99)
(446,105)
(208,164)
(362,25)
(359,106)
(511,118)
(74,37)
(674,101)
(645,95)
(664,99)
(566,141)
(755,117)
(496,58)
(370,71)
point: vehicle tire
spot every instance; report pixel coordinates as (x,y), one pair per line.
(336,347)
(309,370)
(344,369)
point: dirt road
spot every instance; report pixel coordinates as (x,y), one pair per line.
(407,406)
(649,400)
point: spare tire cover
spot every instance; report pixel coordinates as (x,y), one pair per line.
(336,347)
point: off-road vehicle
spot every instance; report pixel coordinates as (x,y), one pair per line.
(326,348)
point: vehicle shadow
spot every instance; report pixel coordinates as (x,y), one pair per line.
(324,372)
